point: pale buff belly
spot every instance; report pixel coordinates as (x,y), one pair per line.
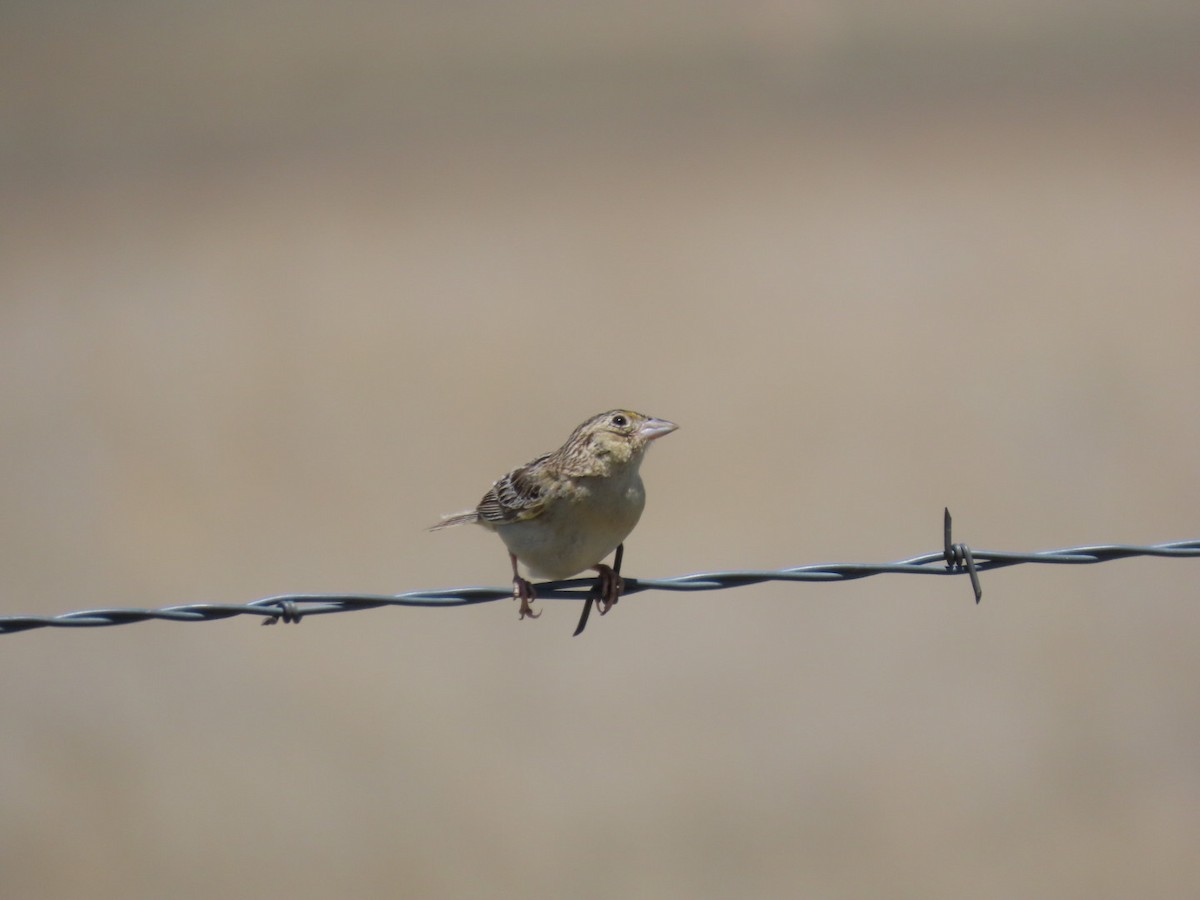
(574,536)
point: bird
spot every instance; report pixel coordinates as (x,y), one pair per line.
(567,510)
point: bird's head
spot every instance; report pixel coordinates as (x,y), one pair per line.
(613,439)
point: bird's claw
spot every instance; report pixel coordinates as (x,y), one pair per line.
(523,591)
(610,586)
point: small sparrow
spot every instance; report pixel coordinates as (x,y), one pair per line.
(567,510)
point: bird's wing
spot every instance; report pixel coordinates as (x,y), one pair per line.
(519,495)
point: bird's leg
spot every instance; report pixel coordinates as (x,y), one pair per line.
(523,591)
(610,585)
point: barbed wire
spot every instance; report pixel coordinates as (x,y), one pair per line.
(956,559)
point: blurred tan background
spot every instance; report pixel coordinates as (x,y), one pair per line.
(280,285)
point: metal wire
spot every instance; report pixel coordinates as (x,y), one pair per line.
(956,559)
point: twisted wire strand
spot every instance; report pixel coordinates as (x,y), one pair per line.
(955,559)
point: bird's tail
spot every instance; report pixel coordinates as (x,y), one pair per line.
(470,517)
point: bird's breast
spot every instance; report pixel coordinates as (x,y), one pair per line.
(578,529)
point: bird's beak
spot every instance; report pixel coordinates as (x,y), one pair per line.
(655,428)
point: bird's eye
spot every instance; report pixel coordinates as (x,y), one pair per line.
(620,421)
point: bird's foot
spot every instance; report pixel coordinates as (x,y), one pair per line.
(610,586)
(523,591)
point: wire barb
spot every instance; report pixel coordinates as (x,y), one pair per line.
(287,612)
(954,559)
(959,557)
(594,594)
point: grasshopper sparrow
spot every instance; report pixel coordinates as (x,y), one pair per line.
(567,510)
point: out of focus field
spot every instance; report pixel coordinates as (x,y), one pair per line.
(281,285)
